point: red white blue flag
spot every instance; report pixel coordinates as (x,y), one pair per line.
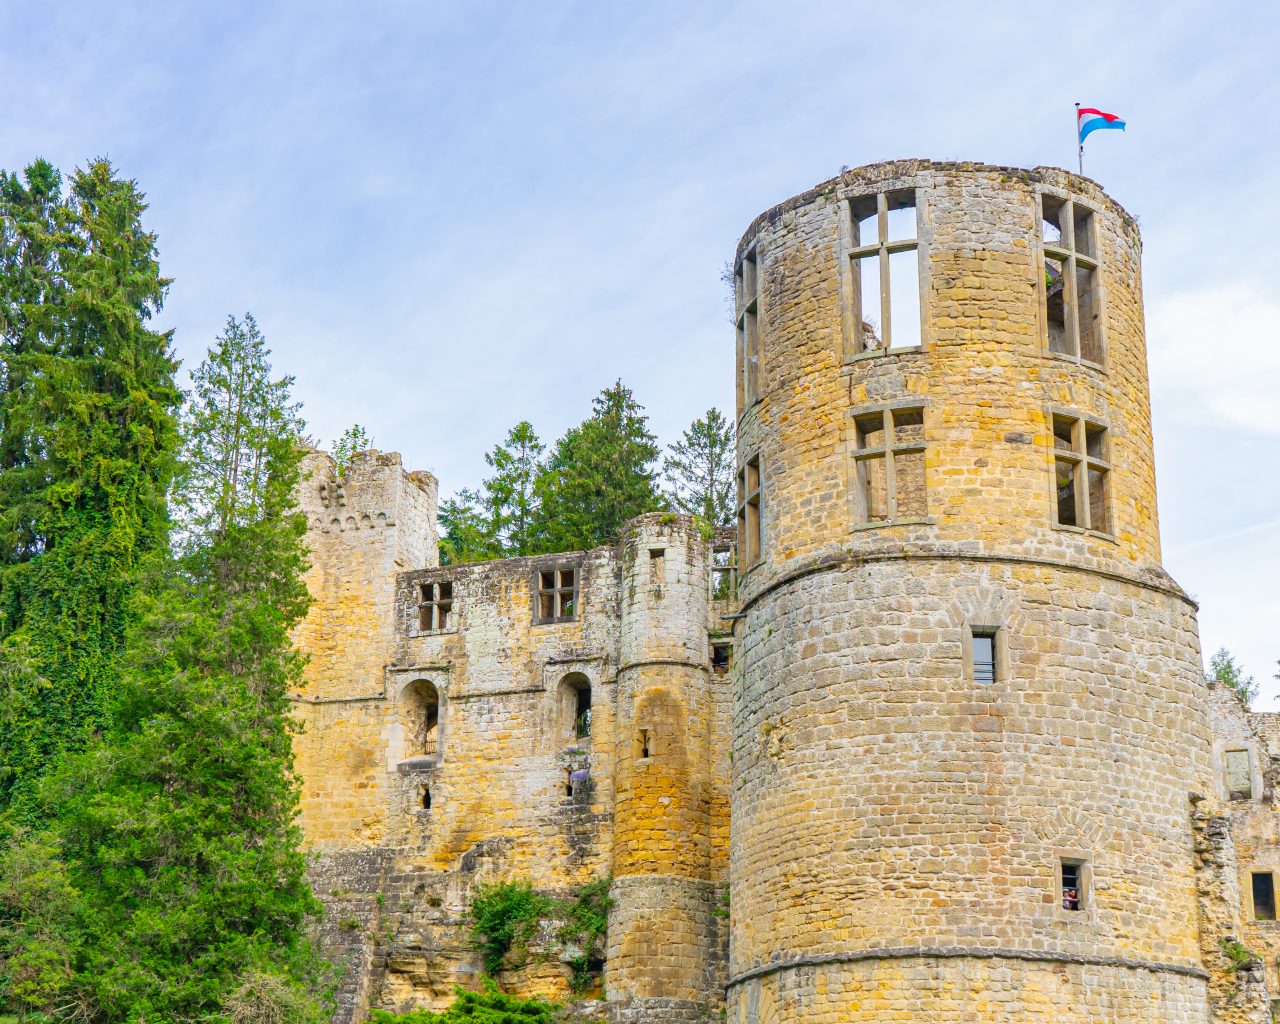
(1090,119)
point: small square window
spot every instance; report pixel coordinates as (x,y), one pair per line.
(435,606)
(1264,896)
(721,656)
(557,596)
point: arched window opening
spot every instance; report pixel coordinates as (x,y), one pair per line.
(422,706)
(575,706)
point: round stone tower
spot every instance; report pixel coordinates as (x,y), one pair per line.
(970,705)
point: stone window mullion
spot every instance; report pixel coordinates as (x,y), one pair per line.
(890,477)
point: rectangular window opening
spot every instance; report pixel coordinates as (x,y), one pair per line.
(435,605)
(1264,896)
(882,306)
(1065,481)
(657,566)
(1073,309)
(747,300)
(750,533)
(557,597)
(642,744)
(1239,775)
(724,575)
(984,656)
(1072,885)
(1082,474)
(889,472)
(721,657)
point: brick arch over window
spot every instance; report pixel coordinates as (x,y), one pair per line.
(420,711)
(573,712)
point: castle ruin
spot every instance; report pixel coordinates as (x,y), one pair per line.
(928,738)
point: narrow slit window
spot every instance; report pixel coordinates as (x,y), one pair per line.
(435,606)
(1264,896)
(657,566)
(1072,885)
(1239,775)
(984,656)
(750,531)
(1082,474)
(882,304)
(746,290)
(557,594)
(425,799)
(568,782)
(582,713)
(1073,306)
(889,466)
(642,744)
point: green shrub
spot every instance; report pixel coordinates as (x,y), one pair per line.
(504,917)
(487,1007)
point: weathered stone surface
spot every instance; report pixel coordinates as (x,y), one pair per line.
(898,826)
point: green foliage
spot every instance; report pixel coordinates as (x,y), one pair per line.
(181,870)
(1225,671)
(354,439)
(487,1007)
(599,475)
(510,494)
(87,436)
(1239,956)
(699,470)
(504,918)
(466,532)
(586,919)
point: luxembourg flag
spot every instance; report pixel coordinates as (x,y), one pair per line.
(1090,119)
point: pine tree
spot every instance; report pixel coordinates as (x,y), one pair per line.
(87,435)
(599,475)
(467,531)
(177,831)
(510,494)
(699,470)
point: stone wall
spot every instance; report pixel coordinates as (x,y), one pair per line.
(895,820)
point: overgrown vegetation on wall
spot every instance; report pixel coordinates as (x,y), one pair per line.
(150,577)
(506,917)
(597,476)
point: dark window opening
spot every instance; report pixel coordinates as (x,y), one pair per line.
(422,707)
(1264,896)
(557,597)
(984,657)
(582,713)
(750,533)
(721,657)
(1072,885)
(1082,474)
(568,782)
(643,743)
(426,798)
(435,605)
(657,566)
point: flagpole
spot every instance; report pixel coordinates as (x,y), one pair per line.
(1079,144)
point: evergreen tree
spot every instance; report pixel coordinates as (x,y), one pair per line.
(354,439)
(176,831)
(510,494)
(467,531)
(599,475)
(699,470)
(1226,671)
(87,434)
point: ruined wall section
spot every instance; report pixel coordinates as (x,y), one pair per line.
(898,823)
(1238,834)
(665,944)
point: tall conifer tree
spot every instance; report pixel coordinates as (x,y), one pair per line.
(177,831)
(87,434)
(699,470)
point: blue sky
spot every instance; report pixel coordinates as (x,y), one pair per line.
(447,218)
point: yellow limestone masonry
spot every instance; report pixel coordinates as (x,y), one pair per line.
(963,691)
